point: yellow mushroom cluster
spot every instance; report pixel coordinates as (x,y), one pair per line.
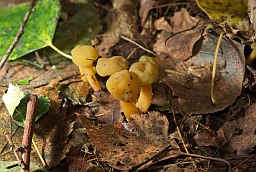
(131,86)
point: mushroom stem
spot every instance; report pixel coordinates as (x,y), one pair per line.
(93,81)
(128,109)
(83,77)
(145,98)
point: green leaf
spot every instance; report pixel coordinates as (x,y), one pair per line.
(15,101)
(24,81)
(12,166)
(81,28)
(19,114)
(165,107)
(38,32)
(224,10)
(12,98)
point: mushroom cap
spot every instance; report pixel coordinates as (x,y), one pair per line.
(123,86)
(84,55)
(145,58)
(109,66)
(253,45)
(147,72)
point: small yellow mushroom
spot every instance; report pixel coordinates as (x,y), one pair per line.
(252,56)
(123,86)
(109,66)
(83,57)
(147,71)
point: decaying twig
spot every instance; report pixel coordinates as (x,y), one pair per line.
(28,129)
(15,151)
(19,34)
(140,46)
(136,167)
(177,152)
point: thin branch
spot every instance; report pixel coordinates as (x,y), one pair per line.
(5,145)
(15,151)
(206,157)
(19,34)
(136,167)
(178,130)
(140,46)
(28,129)
(185,30)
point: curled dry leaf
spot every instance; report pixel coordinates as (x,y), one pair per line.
(145,7)
(167,40)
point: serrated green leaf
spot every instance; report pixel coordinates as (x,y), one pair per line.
(24,81)
(38,32)
(12,166)
(19,114)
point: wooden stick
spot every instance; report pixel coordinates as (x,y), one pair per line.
(140,46)
(28,130)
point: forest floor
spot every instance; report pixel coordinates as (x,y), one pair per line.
(85,130)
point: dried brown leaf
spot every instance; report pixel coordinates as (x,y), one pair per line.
(252,13)
(178,46)
(206,138)
(240,133)
(162,24)
(190,81)
(121,148)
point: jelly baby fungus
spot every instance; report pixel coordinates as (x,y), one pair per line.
(109,66)
(83,57)
(147,71)
(123,86)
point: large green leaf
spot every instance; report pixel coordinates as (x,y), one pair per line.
(38,32)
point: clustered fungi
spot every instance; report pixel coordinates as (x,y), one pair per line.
(131,86)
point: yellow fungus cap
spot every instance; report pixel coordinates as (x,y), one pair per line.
(84,56)
(123,85)
(145,58)
(109,66)
(147,72)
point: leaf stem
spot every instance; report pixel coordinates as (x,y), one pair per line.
(38,152)
(58,50)
(214,68)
